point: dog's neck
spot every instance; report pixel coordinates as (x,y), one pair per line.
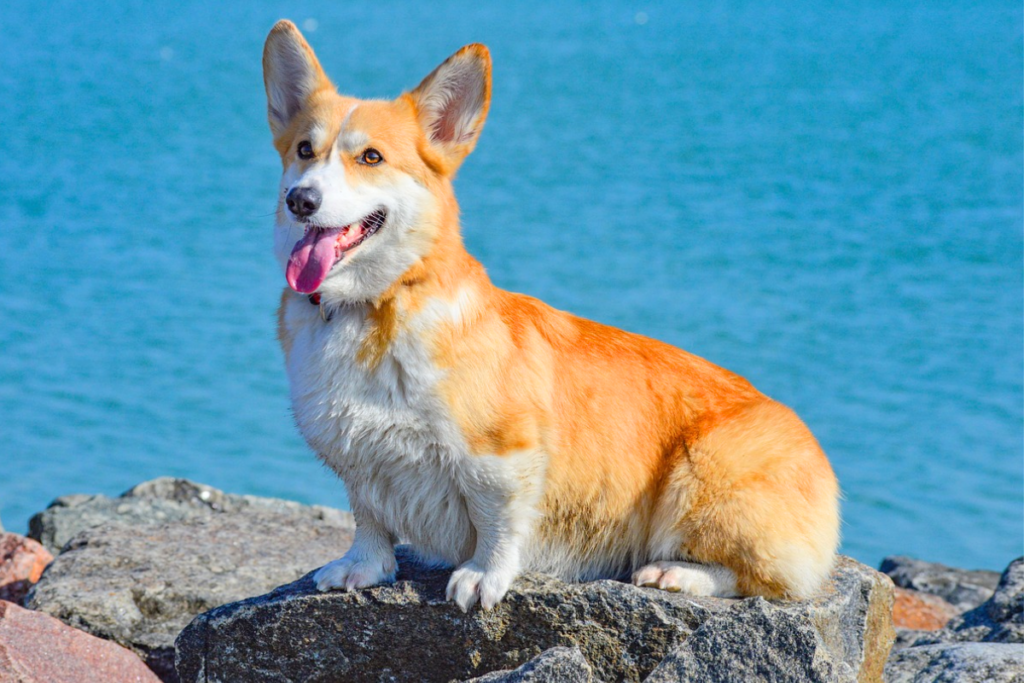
(441,274)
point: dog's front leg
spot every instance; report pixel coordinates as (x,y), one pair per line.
(369,562)
(501,496)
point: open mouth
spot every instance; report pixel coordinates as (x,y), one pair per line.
(320,249)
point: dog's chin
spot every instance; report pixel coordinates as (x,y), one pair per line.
(372,270)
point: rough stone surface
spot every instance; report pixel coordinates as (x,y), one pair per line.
(557,665)
(751,642)
(964,589)
(36,648)
(957,662)
(156,502)
(409,632)
(1001,618)
(980,645)
(908,637)
(139,585)
(921,611)
(22,561)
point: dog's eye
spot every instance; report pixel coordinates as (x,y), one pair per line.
(305,150)
(371,157)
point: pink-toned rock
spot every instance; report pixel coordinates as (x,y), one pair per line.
(36,648)
(22,562)
(921,611)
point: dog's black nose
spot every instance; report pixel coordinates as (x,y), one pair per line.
(303,201)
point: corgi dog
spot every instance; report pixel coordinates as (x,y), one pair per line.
(488,430)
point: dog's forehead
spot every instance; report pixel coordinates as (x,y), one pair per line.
(351,137)
(374,121)
(347,125)
(319,122)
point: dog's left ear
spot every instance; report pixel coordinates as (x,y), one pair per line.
(452,103)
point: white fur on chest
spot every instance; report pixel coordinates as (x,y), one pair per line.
(384,430)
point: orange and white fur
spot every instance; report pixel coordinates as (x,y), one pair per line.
(487,429)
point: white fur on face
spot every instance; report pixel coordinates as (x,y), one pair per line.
(369,269)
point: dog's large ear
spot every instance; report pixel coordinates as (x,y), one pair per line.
(452,103)
(291,74)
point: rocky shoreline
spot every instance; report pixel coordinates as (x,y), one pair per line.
(175,580)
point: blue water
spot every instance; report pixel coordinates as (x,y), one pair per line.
(826,200)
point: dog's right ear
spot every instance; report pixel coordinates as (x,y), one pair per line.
(291,74)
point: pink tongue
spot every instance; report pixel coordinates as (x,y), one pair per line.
(311,260)
(316,253)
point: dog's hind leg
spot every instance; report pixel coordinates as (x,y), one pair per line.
(688,577)
(755,502)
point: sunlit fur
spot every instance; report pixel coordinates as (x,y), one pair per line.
(491,431)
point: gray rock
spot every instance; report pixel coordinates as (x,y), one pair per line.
(957,662)
(1001,618)
(153,502)
(964,589)
(557,665)
(409,632)
(138,581)
(853,616)
(983,644)
(752,641)
(909,637)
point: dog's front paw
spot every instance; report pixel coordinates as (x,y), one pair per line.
(350,573)
(470,583)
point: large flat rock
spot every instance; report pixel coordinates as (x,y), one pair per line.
(409,632)
(138,581)
(158,501)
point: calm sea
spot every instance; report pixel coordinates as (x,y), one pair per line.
(826,199)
